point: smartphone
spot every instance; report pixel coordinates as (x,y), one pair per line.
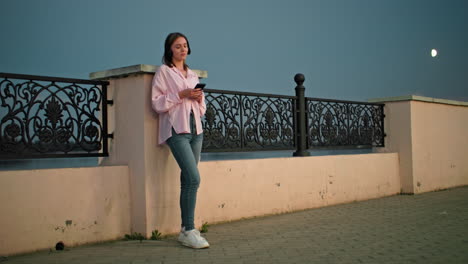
(200,86)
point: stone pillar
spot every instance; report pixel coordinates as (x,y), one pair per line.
(397,124)
(430,136)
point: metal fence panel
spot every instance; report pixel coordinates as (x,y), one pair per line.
(334,123)
(42,117)
(236,121)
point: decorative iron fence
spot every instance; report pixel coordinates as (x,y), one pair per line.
(344,123)
(45,117)
(42,117)
(240,121)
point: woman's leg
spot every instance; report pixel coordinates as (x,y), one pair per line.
(186,149)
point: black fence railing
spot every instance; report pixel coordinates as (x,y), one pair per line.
(240,121)
(42,117)
(344,123)
(45,117)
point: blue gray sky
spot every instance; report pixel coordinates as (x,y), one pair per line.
(347,49)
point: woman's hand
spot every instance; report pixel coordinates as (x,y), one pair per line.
(195,94)
(200,98)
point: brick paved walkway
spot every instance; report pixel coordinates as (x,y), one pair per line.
(425,228)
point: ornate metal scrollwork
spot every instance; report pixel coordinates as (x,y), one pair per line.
(268,122)
(340,123)
(41,118)
(242,121)
(222,125)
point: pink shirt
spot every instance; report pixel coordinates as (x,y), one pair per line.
(173,111)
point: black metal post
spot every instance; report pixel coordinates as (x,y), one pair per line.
(301,135)
(105,131)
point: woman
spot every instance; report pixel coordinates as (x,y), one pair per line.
(180,108)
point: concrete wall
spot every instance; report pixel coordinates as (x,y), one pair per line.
(430,136)
(42,207)
(237,189)
(85,205)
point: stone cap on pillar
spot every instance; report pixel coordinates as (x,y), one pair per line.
(134,69)
(417,98)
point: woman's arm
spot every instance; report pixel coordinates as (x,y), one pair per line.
(202,103)
(161,100)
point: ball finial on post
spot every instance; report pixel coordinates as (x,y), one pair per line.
(299,79)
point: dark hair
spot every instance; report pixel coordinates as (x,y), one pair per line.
(167,58)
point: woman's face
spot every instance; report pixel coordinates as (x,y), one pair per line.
(179,49)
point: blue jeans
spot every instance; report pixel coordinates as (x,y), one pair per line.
(186,149)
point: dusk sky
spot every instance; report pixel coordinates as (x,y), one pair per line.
(347,49)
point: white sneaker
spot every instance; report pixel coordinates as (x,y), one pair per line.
(192,239)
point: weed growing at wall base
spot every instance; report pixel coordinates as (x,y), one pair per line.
(155,235)
(135,236)
(204,228)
